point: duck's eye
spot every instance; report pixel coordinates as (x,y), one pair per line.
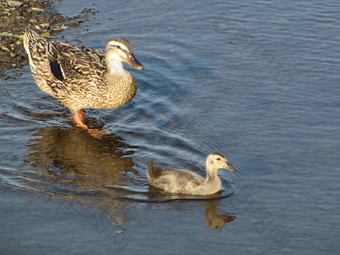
(218,159)
(119,48)
(118,45)
(115,45)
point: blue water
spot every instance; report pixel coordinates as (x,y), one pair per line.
(256,81)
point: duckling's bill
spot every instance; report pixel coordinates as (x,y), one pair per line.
(228,167)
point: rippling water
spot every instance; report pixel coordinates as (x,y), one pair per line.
(255,81)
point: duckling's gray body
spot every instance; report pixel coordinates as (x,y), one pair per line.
(172,180)
(182,181)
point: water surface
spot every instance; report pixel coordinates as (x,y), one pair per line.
(257,82)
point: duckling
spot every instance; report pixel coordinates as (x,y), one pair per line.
(81,78)
(182,181)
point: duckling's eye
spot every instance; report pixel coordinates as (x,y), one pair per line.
(218,159)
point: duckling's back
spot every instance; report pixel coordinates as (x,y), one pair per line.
(172,180)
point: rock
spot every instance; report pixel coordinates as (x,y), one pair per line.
(14,3)
(74,24)
(45,25)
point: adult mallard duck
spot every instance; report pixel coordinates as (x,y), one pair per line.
(182,181)
(80,77)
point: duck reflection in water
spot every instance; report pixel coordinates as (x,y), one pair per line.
(69,156)
(213,219)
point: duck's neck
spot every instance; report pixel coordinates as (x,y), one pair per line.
(212,182)
(211,175)
(113,65)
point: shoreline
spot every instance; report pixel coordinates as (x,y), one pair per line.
(16,15)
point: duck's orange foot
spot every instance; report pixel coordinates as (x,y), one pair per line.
(98,133)
(78,118)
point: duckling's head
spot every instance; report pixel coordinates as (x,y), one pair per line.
(118,50)
(216,160)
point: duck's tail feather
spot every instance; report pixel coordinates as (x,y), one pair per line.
(30,36)
(37,51)
(33,44)
(153,171)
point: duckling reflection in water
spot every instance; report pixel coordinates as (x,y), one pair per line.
(214,219)
(182,181)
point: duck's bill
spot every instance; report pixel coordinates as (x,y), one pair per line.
(132,61)
(229,167)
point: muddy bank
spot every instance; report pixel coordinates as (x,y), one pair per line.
(16,15)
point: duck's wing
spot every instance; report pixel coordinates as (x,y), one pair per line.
(75,63)
(155,171)
(61,65)
(172,179)
(192,184)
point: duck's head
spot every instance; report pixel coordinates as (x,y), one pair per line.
(119,50)
(216,160)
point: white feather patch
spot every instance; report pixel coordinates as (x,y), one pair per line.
(120,45)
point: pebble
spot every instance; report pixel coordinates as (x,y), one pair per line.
(14,3)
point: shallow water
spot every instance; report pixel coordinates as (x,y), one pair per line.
(257,82)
